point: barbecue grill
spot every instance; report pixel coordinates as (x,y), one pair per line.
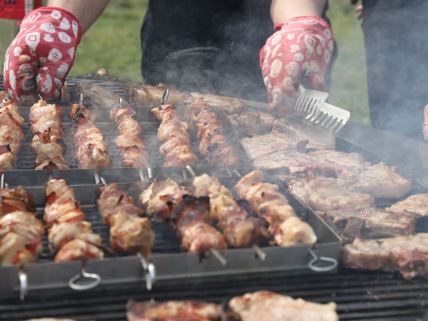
(359,295)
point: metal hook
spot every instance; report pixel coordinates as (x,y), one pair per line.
(149,271)
(332,263)
(76,284)
(165,96)
(23,285)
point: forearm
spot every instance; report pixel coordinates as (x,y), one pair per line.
(86,11)
(284,10)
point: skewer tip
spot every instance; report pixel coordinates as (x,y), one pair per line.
(219,257)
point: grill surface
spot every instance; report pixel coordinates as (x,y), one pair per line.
(359,295)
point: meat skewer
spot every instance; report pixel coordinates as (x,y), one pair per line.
(90,146)
(129,232)
(129,142)
(265,199)
(239,229)
(20,230)
(213,143)
(173,134)
(11,133)
(70,236)
(46,127)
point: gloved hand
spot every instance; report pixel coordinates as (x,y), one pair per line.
(299,52)
(41,55)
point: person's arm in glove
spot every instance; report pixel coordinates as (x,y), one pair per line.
(299,51)
(41,55)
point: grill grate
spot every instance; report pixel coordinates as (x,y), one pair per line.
(359,296)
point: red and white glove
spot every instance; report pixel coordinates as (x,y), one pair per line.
(299,52)
(41,55)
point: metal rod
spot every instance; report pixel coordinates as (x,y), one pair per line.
(190,170)
(81,100)
(237,173)
(218,256)
(23,284)
(149,272)
(259,252)
(184,173)
(150,172)
(99,179)
(141,174)
(229,172)
(2,181)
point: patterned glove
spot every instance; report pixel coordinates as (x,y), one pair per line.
(41,55)
(298,52)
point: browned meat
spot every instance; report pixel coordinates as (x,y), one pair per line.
(70,236)
(328,194)
(369,223)
(193,226)
(11,134)
(173,134)
(15,199)
(239,229)
(90,148)
(271,306)
(226,104)
(147,95)
(382,181)
(47,130)
(129,232)
(213,142)
(173,311)
(161,198)
(252,123)
(405,254)
(271,205)
(129,142)
(414,204)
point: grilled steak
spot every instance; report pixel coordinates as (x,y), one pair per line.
(369,223)
(173,311)
(328,194)
(406,254)
(416,204)
(270,306)
(252,123)
(382,181)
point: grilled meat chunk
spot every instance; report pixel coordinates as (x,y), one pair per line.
(129,232)
(239,229)
(265,305)
(369,223)
(46,127)
(161,198)
(414,204)
(90,148)
(382,181)
(173,134)
(405,254)
(229,105)
(213,143)
(15,199)
(328,194)
(192,222)
(70,236)
(129,142)
(173,311)
(252,123)
(147,95)
(11,134)
(266,200)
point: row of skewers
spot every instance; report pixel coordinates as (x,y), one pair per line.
(91,149)
(205,215)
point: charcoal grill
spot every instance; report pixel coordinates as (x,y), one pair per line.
(359,295)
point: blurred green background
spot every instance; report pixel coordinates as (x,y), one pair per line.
(113,43)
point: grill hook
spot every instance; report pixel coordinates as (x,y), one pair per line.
(149,270)
(329,263)
(90,280)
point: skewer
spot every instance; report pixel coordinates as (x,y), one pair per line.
(141,175)
(74,284)
(2,181)
(184,173)
(229,172)
(150,272)
(259,252)
(23,284)
(165,96)
(218,256)
(150,173)
(190,170)
(237,173)
(99,179)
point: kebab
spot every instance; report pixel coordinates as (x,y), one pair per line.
(265,199)
(129,232)
(90,146)
(239,229)
(70,236)
(213,144)
(164,199)
(20,231)
(173,134)
(129,142)
(46,127)
(11,134)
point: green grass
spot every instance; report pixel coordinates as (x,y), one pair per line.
(114,43)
